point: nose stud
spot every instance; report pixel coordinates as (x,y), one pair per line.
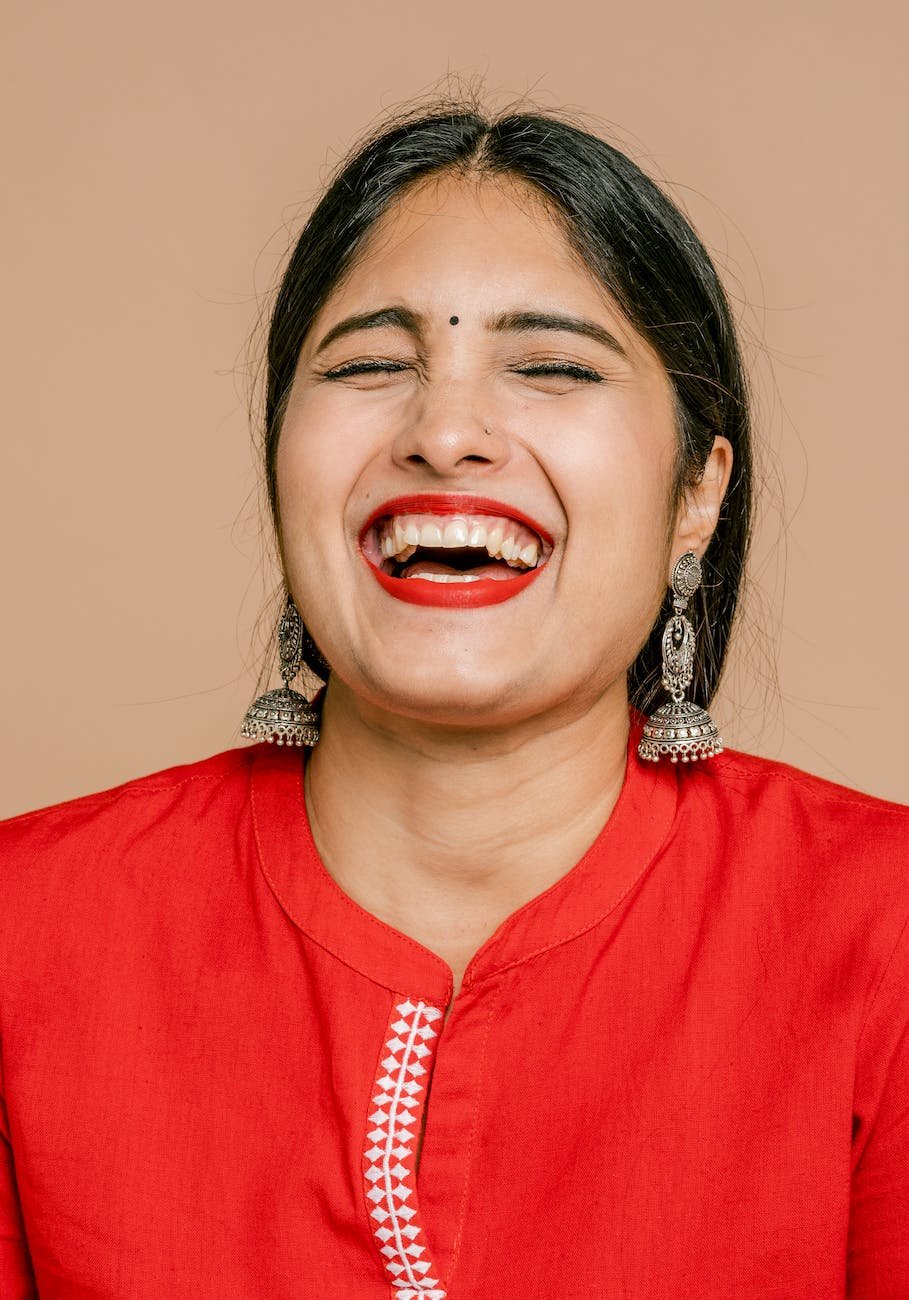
(454,320)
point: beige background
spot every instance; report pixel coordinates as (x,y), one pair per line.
(159,156)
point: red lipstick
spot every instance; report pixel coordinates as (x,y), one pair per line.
(452,595)
(452,503)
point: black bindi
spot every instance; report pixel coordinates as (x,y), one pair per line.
(453,320)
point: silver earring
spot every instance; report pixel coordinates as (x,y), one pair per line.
(680,729)
(284,715)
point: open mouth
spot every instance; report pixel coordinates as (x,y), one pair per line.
(464,550)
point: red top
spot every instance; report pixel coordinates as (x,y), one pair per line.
(681,1071)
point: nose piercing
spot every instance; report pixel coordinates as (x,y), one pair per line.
(453,320)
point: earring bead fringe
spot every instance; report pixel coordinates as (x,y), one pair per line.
(282,716)
(681,731)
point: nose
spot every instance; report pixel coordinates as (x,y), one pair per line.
(447,434)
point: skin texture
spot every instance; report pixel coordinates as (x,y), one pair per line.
(469,757)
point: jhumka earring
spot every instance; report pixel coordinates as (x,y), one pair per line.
(680,729)
(285,715)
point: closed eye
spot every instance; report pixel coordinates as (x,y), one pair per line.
(568,369)
(351,368)
(536,370)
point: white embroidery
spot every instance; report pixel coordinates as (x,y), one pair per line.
(389,1162)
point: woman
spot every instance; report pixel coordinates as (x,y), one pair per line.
(477,1002)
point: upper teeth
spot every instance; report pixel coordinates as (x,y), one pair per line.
(500,537)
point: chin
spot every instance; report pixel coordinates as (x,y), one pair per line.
(452,697)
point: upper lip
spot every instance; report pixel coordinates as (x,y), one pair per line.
(453,503)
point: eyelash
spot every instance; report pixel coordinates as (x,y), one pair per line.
(567,368)
(363,368)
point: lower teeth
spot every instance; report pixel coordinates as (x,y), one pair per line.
(448,577)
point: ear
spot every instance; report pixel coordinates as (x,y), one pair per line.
(699,509)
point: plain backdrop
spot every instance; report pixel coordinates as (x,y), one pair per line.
(158,160)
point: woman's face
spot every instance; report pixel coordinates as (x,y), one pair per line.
(469,392)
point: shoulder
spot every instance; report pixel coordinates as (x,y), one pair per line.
(818,871)
(819,850)
(143,810)
(771,790)
(105,882)
(813,825)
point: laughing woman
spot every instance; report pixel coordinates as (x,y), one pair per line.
(478,1000)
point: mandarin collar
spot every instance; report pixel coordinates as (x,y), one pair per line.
(620,855)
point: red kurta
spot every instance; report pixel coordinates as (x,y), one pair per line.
(682,1071)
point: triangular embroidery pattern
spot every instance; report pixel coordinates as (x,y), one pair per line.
(390,1157)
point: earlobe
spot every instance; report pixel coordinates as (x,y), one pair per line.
(701,502)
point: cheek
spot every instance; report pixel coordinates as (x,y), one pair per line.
(329,437)
(315,466)
(616,489)
(306,482)
(616,484)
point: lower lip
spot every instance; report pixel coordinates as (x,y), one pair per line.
(453,595)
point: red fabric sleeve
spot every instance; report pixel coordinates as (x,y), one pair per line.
(878,1263)
(17,1281)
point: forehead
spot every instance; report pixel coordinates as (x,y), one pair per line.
(495,238)
(500,205)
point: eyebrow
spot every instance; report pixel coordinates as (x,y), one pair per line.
(525,322)
(394,317)
(512,322)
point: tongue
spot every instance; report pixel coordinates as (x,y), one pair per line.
(495,569)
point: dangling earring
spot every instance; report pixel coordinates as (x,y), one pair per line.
(284,715)
(680,729)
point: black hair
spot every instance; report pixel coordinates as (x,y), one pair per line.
(631,236)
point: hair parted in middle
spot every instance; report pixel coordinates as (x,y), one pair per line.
(630,236)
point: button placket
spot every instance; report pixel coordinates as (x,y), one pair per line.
(389,1160)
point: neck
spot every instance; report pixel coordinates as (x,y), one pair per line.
(443,834)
